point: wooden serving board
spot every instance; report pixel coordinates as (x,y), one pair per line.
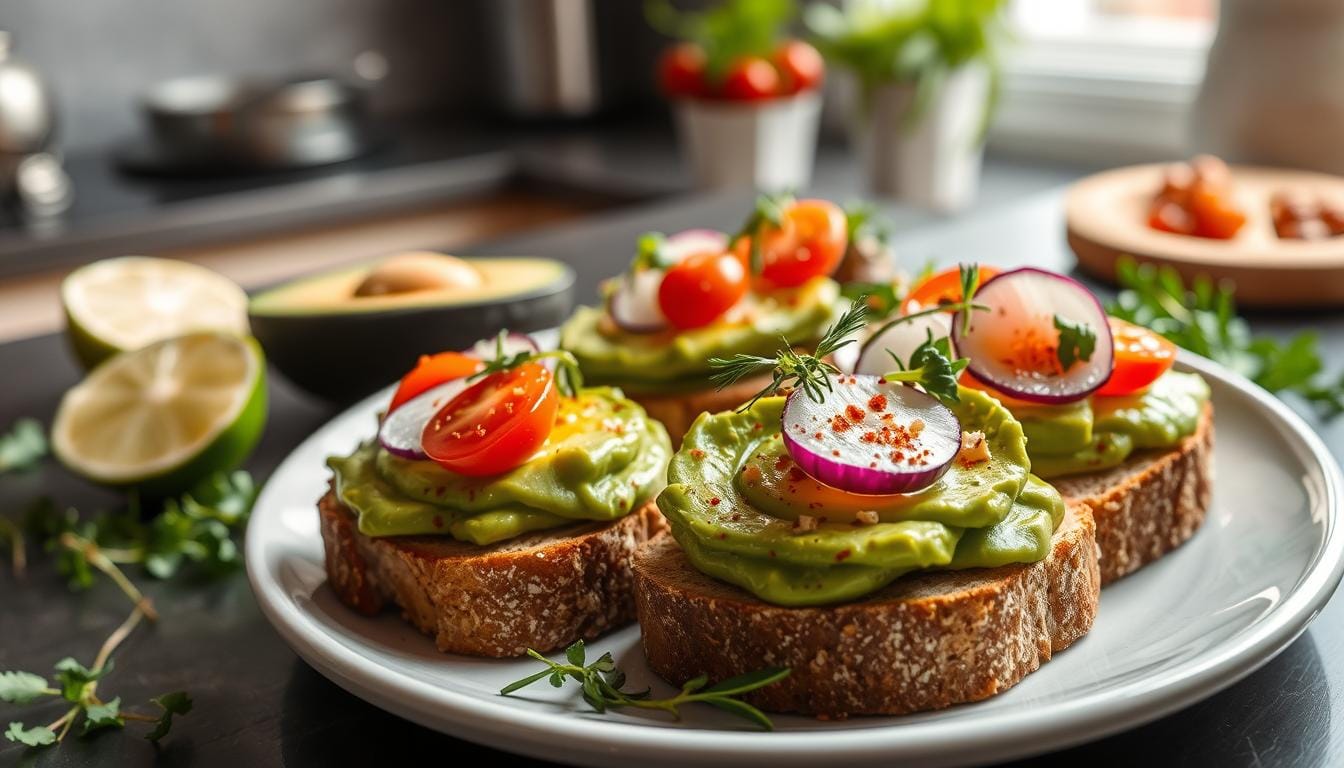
(1107,216)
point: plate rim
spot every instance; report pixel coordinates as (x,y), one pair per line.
(1007,735)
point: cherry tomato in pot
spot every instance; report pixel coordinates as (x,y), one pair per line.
(941,288)
(431,371)
(800,66)
(1140,357)
(701,288)
(751,78)
(681,70)
(495,424)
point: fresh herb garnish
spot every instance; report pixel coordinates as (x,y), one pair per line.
(602,684)
(932,367)
(1077,341)
(77,685)
(809,372)
(23,446)
(650,252)
(969,275)
(768,212)
(1203,319)
(568,377)
(863,220)
(882,298)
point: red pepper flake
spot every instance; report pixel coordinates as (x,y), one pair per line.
(877,402)
(838,424)
(696,453)
(796,475)
(757,427)
(835,453)
(723,535)
(818,435)
(841,555)
(438,521)
(854,412)
(714,502)
(736,516)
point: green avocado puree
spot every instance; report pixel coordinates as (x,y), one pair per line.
(734,500)
(1101,432)
(603,459)
(678,361)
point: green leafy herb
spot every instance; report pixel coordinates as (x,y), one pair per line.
(811,373)
(726,31)
(932,367)
(1077,341)
(650,252)
(864,220)
(882,298)
(768,212)
(969,275)
(23,446)
(602,683)
(568,377)
(1203,319)
(77,685)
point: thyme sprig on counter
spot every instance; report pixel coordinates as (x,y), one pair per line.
(808,372)
(568,377)
(602,683)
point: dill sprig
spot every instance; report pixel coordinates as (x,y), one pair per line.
(568,377)
(602,683)
(808,372)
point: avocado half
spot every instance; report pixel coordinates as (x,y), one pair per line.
(342,347)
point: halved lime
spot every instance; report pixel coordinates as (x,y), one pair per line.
(165,416)
(121,304)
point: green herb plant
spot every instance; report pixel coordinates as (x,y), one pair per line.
(602,684)
(726,31)
(1202,318)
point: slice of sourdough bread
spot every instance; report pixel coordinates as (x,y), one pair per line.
(1150,504)
(541,590)
(677,411)
(926,641)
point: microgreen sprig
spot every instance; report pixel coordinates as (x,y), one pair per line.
(932,367)
(568,377)
(808,372)
(768,212)
(650,252)
(602,683)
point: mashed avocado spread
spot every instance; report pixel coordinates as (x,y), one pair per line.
(1101,432)
(678,361)
(603,459)
(737,505)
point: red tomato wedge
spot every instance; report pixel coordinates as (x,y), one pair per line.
(431,371)
(699,289)
(495,424)
(941,288)
(1140,357)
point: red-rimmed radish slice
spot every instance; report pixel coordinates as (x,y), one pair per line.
(400,432)
(901,340)
(634,304)
(871,436)
(1013,345)
(514,343)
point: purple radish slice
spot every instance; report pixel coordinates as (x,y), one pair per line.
(875,437)
(1012,346)
(513,344)
(900,340)
(634,304)
(400,431)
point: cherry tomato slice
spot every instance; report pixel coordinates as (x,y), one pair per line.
(431,371)
(495,424)
(810,243)
(701,288)
(941,288)
(751,78)
(800,66)
(681,70)
(1140,357)
(1216,214)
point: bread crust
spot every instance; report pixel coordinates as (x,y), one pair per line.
(678,411)
(1149,505)
(543,590)
(927,641)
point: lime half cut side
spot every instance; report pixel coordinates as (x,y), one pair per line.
(165,416)
(122,304)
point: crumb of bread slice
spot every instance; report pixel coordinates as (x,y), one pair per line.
(1150,504)
(927,641)
(541,590)
(678,410)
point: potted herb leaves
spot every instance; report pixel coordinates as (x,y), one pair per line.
(926,78)
(746,97)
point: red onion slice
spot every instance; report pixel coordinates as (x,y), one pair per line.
(1012,345)
(901,340)
(871,436)
(400,432)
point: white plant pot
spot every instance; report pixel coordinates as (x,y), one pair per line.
(933,160)
(769,145)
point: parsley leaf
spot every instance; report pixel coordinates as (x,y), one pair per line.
(106,715)
(23,446)
(39,736)
(75,677)
(22,687)
(176,703)
(1077,341)
(932,367)
(650,252)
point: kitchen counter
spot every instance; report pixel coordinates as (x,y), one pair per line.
(257,704)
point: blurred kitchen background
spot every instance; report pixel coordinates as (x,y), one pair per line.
(459,120)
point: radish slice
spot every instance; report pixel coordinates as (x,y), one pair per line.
(400,431)
(692,241)
(875,436)
(513,344)
(1012,346)
(900,340)
(633,306)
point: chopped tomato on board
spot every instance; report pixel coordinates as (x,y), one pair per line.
(701,288)
(431,371)
(941,288)
(495,424)
(1140,357)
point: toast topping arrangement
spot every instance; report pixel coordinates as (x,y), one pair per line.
(486,447)
(1088,390)
(848,482)
(699,294)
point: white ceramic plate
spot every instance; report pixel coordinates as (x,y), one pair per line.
(1261,568)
